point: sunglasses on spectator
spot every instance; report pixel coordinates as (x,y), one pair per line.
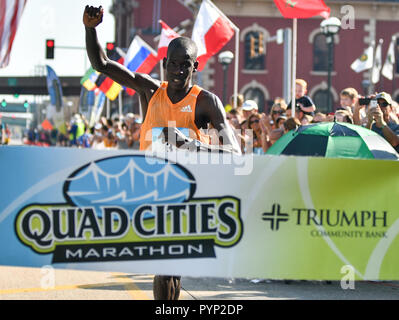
(277,111)
(254,121)
(383,103)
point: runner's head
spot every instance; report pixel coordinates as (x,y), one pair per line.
(180,62)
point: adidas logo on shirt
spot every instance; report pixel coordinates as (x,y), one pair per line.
(187,108)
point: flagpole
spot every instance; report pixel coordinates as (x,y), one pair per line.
(237,48)
(108,109)
(161,71)
(293,75)
(120,104)
(393,70)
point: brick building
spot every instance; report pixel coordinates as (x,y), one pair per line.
(261,77)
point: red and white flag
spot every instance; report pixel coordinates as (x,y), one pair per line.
(302,8)
(211,32)
(10,15)
(167,35)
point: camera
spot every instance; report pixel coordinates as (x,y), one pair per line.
(373,104)
(364,101)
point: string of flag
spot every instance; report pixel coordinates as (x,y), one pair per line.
(371,58)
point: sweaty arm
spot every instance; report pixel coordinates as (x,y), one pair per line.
(210,109)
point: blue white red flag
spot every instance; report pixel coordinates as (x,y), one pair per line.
(140,57)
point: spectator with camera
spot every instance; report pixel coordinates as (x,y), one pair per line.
(382,120)
(348,99)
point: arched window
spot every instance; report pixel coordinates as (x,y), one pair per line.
(320,53)
(255,50)
(320,100)
(257,95)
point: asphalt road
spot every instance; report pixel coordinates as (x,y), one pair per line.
(18,283)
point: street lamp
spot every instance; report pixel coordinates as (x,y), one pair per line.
(330,27)
(225,58)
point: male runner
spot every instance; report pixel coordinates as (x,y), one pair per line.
(190,107)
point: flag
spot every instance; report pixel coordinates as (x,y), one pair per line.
(167,35)
(97,109)
(387,69)
(86,101)
(54,88)
(89,79)
(211,32)
(106,84)
(140,57)
(302,8)
(10,15)
(365,61)
(375,72)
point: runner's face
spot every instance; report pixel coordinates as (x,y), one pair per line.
(179,68)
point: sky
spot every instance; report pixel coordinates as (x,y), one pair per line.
(60,20)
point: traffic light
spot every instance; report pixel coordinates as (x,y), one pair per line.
(110,46)
(261,49)
(252,52)
(26,104)
(4,103)
(50,44)
(256,45)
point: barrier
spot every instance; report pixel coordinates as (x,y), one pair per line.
(273,217)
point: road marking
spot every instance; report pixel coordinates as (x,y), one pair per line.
(134,291)
(26,290)
(131,288)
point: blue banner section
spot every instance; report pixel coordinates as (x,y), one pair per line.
(67,207)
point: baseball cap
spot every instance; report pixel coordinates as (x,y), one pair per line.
(249,105)
(385,96)
(130,116)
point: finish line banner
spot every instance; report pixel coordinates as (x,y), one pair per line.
(212,215)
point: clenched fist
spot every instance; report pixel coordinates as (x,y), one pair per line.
(92,16)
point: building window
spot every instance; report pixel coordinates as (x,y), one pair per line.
(257,95)
(320,100)
(320,53)
(255,50)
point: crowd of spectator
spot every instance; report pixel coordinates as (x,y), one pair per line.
(116,133)
(256,131)
(267,127)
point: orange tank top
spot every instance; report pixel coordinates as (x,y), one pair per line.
(163,113)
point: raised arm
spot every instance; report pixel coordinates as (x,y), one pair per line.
(141,83)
